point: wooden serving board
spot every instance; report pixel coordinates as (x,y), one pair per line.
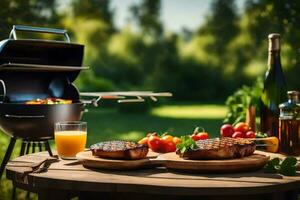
(249,163)
(174,162)
(90,161)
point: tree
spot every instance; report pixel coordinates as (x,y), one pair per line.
(147,14)
(222,24)
(93,9)
(33,12)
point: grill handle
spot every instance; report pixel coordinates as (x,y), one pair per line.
(4,91)
(13,33)
(24,116)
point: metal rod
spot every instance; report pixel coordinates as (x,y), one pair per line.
(33,147)
(48,148)
(131,100)
(23,146)
(40,146)
(23,66)
(129,94)
(7,154)
(28,147)
(15,28)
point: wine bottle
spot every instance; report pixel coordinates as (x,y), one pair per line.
(274,91)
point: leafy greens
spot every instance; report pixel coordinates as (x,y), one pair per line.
(286,167)
(187,143)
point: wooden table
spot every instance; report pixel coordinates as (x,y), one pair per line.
(66,179)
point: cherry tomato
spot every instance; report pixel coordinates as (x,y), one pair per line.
(238,134)
(226,130)
(169,147)
(144,141)
(176,140)
(241,127)
(155,143)
(203,135)
(250,134)
(167,138)
(196,137)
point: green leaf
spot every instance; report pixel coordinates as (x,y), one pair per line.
(288,171)
(183,149)
(187,143)
(289,161)
(272,166)
(288,166)
(275,161)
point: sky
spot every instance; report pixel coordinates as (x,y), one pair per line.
(176,14)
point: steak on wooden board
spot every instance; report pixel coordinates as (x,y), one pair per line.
(119,150)
(220,148)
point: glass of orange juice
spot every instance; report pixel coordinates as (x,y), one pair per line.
(70,138)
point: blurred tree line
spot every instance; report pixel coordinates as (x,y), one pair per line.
(227,51)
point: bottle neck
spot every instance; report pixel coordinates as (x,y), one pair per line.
(274,59)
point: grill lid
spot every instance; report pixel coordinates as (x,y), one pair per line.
(35,68)
(41,55)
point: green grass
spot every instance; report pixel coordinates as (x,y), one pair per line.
(104,124)
(108,123)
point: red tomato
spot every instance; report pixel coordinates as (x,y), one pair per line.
(250,134)
(155,143)
(169,147)
(203,135)
(176,140)
(226,130)
(238,134)
(144,141)
(196,137)
(241,127)
(167,138)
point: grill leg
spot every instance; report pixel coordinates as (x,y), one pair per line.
(33,147)
(28,147)
(7,154)
(47,146)
(23,146)
(40,146)
(22,151)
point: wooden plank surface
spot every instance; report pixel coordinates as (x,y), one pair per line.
(173,161)
(71,175)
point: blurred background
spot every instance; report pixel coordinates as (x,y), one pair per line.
(200,50)
(211,54)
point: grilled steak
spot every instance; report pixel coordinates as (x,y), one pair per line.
(119,150)
(220,148)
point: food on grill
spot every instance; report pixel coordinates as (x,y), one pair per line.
(220,148)
(49,101)
(119,150)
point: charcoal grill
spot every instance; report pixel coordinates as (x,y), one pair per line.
(38,69)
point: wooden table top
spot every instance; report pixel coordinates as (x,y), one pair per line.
(71,175)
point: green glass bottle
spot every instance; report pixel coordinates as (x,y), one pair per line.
(274,91)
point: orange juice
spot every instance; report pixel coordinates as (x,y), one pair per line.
(69,143)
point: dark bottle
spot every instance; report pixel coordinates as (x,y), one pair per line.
(274,91)
(289,125)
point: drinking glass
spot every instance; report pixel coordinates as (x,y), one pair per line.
(70,138)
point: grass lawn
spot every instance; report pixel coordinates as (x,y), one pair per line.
(104,124)
(108,123)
